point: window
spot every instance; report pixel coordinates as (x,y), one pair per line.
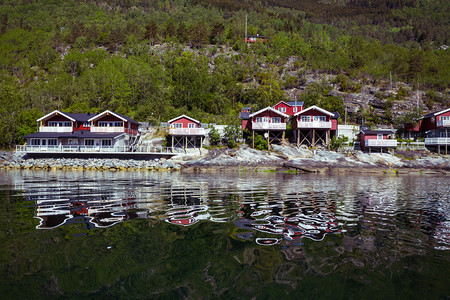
(276,120)
(102,124)
(191,125)
(35,142)
(445,118)
(106,143)
(89,142)
(282,109)
(295,109)
(118,124)
(52,142)
(44,142)
(73,141)
(177,125)
(306,119)
(320,119)
(87,124)
(379,136)
(59,124)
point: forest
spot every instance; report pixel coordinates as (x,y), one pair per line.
(154,60)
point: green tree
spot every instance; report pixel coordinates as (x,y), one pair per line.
(232,134)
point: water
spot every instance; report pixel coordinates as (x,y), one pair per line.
(236,235)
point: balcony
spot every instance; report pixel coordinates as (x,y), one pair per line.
(381,143)
(443,123)
(55,129)
(107,129)
(437,141)
(314,125)
(187,131)
(268,126)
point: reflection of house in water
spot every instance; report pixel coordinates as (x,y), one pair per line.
(187,204)
(55,212)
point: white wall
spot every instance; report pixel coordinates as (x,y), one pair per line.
(349,131)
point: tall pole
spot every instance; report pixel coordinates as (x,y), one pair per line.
(245,28)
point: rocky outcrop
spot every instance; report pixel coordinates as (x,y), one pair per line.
(301,159)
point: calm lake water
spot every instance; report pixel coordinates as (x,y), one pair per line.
(238,235)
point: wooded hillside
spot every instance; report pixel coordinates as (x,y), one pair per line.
(153,60)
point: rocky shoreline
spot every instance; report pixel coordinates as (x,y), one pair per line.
(245,158)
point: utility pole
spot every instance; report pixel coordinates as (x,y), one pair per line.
(245,28)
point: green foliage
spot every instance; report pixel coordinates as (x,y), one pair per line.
(260,142)
(214,136)
(232,134)
(337,143)
(131,57)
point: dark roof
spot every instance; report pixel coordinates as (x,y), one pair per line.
(128,119)
(336,115)
(378,131)
(80,117)
(76,134)
(293,103)
(257,36)
(244,115)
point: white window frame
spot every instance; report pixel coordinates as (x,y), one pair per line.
(191,125)
(275,120)
(52,142)
(282,109)
(305,119)
(176,125)
(379,136)
(89,142)
(35,142)
(295,109)
(106,143)
(320,119)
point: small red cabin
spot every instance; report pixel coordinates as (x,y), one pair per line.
(314,126)
(186,132)
(289,108)
(379,139)
(255,38)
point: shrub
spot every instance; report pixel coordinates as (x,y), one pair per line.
(214,136)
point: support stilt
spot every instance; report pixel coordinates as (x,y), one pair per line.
(253,140)
(298,137)
(314,138)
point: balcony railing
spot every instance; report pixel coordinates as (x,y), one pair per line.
(268,126)
(381,143)
(84,149)
(443,123)
(55,129)
(187,131)
(437,141)
(314,124)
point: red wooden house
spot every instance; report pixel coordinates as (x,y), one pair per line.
(435,128)
(314,126)
(255,38)
(289,108)
(61,131)
(244,115)
(270,122)
(186,132)
(377,139)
